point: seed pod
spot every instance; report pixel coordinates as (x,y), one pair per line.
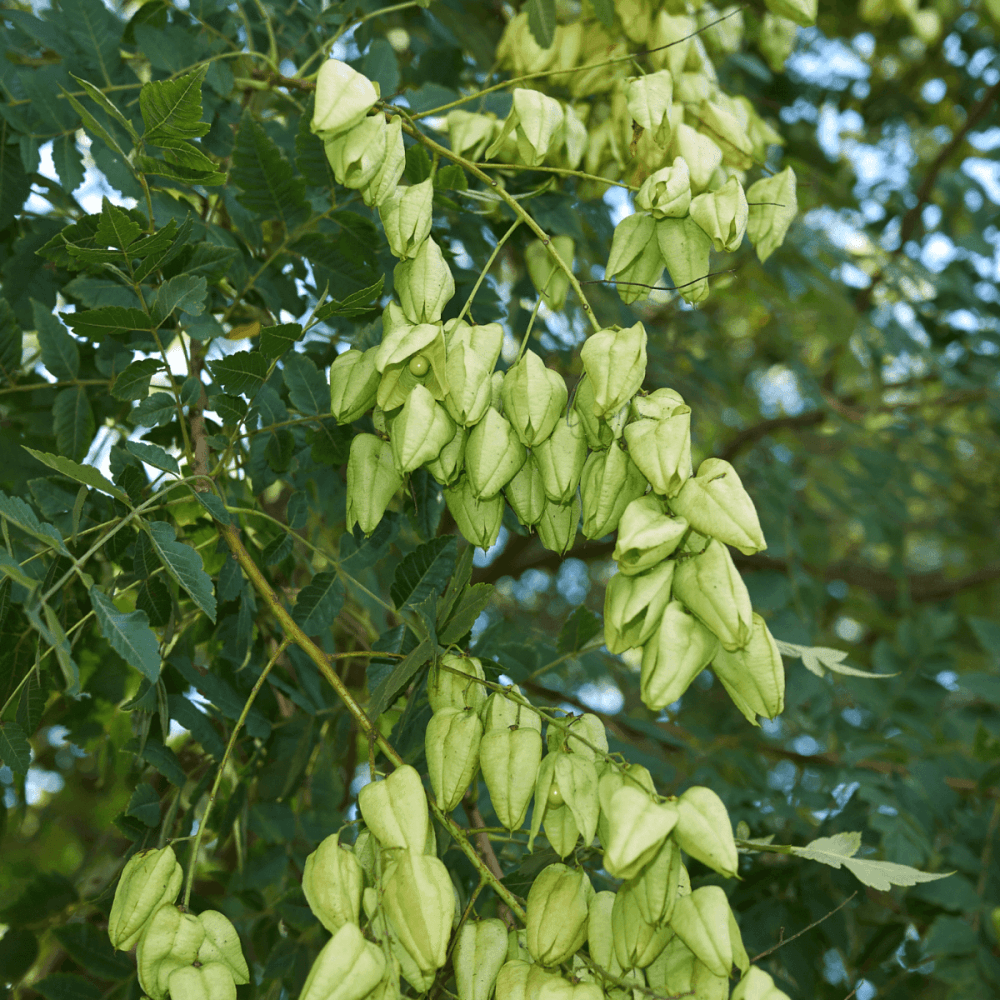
(509,758)
(560,458)
(480,952)
(419,902)
(451,743)
(148,881)
(579,734)
(633,606)
(649,99)
(383,185)
(521,980)
(557,914)
(558,988)
(615,361)
(402,345)
(609,483)
(757,985)
(637,943)
(501,712)
(654,889)
(704,831)
(660,445)
(347,968)
(549,279)
(722,215)
(222,944)
(424,283)
(396,810)
(558,524)
(453,683)
(774,208)
(406,217)
(343,98)
(526,493)
(533,397)
(754,677)
(447,467)
(678,971)
(647,535)
(599,433)
(332,880)
(634,260)
(802,12)
(420,431)
(493,455)
(372,481)
(600,937)
(470,133)
(638,826)
(666,194)
(729,132)
(366,850)
(611,779)
(701,154)
(534,120)
(209,981)
(478,520)
(685,247)
(472,355)
(705,923)
(171,940)
(400,957)
(356,156)
(677,651)
(353,384)
(711,586)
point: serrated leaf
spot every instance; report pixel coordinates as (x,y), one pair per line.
(319,602)
(358,303)
(242,373)
(85,474)
(184,565)
(15,751)
(64,986)
(231,409)
(155,753)
(31,705)
(581,626)
(542,21)
(108,321)
(171,109)
(269,184)
(457,584)
(16,511)
(470,606)
(11,338)
(128,633)
(154,598)
(107,106)
(424,571)
(133,382)
(280,547)
(117,228)
(91,949)
(153,454)
(818,659)
(214,506)
(387,689)
(60,352)
(144,805)
(184,292)
(308,389)
(839,850)
(157,408)
(198,724)
(18,951)
(73,422)
(418,164)
(275,340)
(92,125)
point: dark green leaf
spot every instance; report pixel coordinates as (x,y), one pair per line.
(157,408)
(116,228)
(520,880)
(389,687)
(380,64)
(581,626)
(270,186)
(308,389)
(31,705)
(17,512)
(128,633)
(184,292)
(144,805)
(90,948)
(198,724)
(171,109)
(98,324)
(85,474)
(424,571)
(14,749)
(153,455)
(159,756)
(418,164)
(280,547)
(275,340)
(214,506)
(73,421)
(428,503)
(231,409)
(319,602)
(63,986)
(988,634)
(10,333)
(542,21)
(133,383)
(18,951)
(471,605)
(107,106)
(46,894)
(60,352)
(241,373)
(356,304)
(605,11)
(452,177)
(184,565)
(154,598)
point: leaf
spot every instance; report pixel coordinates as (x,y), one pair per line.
(31,705)
(308,389)
(128,633)
(470,606)
(153,455)
(270,186)
(107,106)
(184,565)
(605,11)
(18,951)
(987,632)
(428,502)
(319,602)
(275,340)
(73,422)
(358,303)
(542,21)
(184,292)
(63,986)
(15,751)
(60,353)
(90,948)
(145,805)
(157,408)
(116,228)
(161,757)
(581,626)
(214,506)
(154,598)
(11,338)
(171,109)
(816,658)
(133,382)
(387,689)
(85,474)
(231,409)
(418,164)
(242,373)
(520,880)
(222,695)
(108,321)
(197,724)
(423,572)
(839,850)
(46,894)
(17,512)
(92,125)
(52,632)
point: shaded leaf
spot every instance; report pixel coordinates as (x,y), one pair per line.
(542,21)
(424,571)
(308,389)
(144,805)
(319,602)
(16,511)
(128,633)
(15,751)
(60,352)
(117,228)
(171,109)
(161,757)
(64,986)
(471,605)
(73,421)
(133,382)
(85,474)
(184,565)
(242,373)
(270,186)
(389,687)
(275,340)
(356,304)
(90,948)
(581,626)
(18,951)
(153,455)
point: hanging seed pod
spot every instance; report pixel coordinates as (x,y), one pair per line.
(685,248)
(677,971)
(332,880)
(472,355)
(447,467)
(600,936)
(611,779)
(406,217)
(493,455)
(372,481)
(773,206)
(634,605)
(526,493)
(453,683)
(560,458)
(754,677)
(534,397)
(343,98)
(353,384)
(356,156)
(383,185)
(722,215)
(549,279)
(705,923)
(634,260)
(208,981)
(478,520)
(420,431)
(757,985)
(647,535)
(509,758)
(170,940)
(148,881)
(673,656)
(666,194)
(480,952)
(637,828)
(395,810)
(451,743)
(659,440)
(424,284)
(222,944)
(610,481)
(615,362)
(347,968)
(579,734)
(655,888)
(558,904)
(558,525)
(704,831)
(710,585)
(637,943)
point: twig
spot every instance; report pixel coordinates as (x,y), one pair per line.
(486,852)
(783,940)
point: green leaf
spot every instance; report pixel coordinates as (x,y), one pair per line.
(90,948)
(451,178)
(161,757)
(457,584)
(388,688)
(214,506)
(424,571)
(520,880)
(133,383)
(157,408)
(182,292)
(85,474)
(988,634)
(107,106)
(275,340)
(153,455)
(73,421)
(605,11)
(116,228)
(470,606)
(428,503)
(63,986)
(542,21)
(418,164)
(242,373)
(11,339)
(580,628)
(358,303)
(319,602)
(198,724)
(97,33)
(92,125)
(109,321)
(189,166)
(18,951)
(231,409)
(270,185)
(308,389)
(145,805)
(154,598)
(171,109)
(68,161)
(15,751)
(60,352)
(818,659)
(31,705)
(128,633)
(16,511)
(184,565)
(222,695)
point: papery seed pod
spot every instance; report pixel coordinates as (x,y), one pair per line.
(502,712)
(666,194)
(677,971)
(729,133)
(400,958)
(611,779)
(549,279)
(704,831)
(576,778)
(509,758)
(207,981)
(677,651)
(772,208)
(609,483)
(647,535)
(558,525)
(424,283)
(634,260)
(521,980)
(451,743)
(692,89)
(472,356)
(222,944)
(700,153)
(580,734)
(722,215)
(655,888)
(560,458)
(383,185)
(353,384)
(419,902)
(754,677)
(638,826)
(478,520)
(802,12)
(470,133)
(669,40)
(633,606)
(561,830)
(406,217)
(776,40)
(637,943)
(615,361)
(148,881)
(757,985)
(453,683)
(560,824)
(372,481)
(685,249)
(534,120)
(518,49)
(493,455)
(448,465)
(396,810)
(420,431)
(534,397)
(332,880)
(600,936)
(599,433)
(526,493)
(356,156)
(366,850)
(711,587)
(558,988)
(343,98)
(705,923)
(408,356)
(572,137)
(480,952)
(649,99)
(347,968)
(557,913)
(170,940)
(661,450)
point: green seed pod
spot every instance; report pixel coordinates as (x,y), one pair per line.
(493,455)
(383,185)
(452,743)
(419,902)
(343,98)
(600,937)
(478,520)
(647,535)
(599,433)
(470,133)
(372,481)
(549,279)
(406,217)
(366,850)
(635,260)
(347,968)
(654,889)
(356,156)
(424,283)
(388,987)
(711,586)
(208,981)
(757,985)
(615,361)
(649,99)
(576,778)
(634,605)
(704,831)
(501,712)
(452,683)
(400,957)
(611,779)
(222,944)
(802,12)
(534,120)
(638,826)
(579,734)
(332,880)
(755,676)
(558,988)
(722,215)
(558,904)
(148,881)
(526,493)
(353,384)
(705,923)
(534,397)
(637,943)
(730,134)
(677,651)
(509,758)
(171,940)
(420,432)
(480,952)
(660,445)
(472,355)
(701,154)
(560,458)
(396,810)
(666,194)
(677,971)
(447,467)
(774,208)
(558,525)
(609,483)
(401,344)
(521,980)
(685,248)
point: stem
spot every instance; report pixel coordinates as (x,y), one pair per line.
(485,270)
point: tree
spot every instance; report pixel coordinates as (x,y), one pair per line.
(595,287)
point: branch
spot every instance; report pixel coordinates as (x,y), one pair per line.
(751,435)
(782,940)
(485,848)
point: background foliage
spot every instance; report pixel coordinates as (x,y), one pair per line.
(852,380)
